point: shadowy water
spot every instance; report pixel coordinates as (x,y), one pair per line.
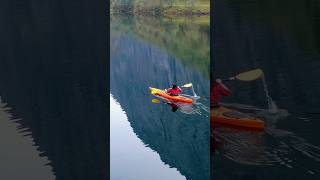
(18,151)
(157,52)
(282,39)
(53,85)
(62,106)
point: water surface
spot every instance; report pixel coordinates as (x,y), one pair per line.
(280,38)
(53,84)
(157,52)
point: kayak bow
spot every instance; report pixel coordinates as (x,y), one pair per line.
(163,94)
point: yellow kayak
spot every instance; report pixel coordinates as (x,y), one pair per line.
(162,93)
(228,117)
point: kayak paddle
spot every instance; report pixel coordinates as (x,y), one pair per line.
(184,86)
(155,101)
(247,76)
(187,85)
(190,85)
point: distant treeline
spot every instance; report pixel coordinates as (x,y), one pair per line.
(161,7)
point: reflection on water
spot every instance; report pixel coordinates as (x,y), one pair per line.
(125,146)
(184,38)
(274,147)
(18,146)
(53,70)
(147,52)
(61,105)
(280,38)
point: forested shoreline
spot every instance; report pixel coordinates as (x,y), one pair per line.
(161,7)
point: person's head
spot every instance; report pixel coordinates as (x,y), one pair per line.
(174,86)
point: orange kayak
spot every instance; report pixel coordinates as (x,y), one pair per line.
(162,93)
(228,117)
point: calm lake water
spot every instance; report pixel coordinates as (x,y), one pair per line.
(53,91)
(282,38)
(149,141)
(53,120)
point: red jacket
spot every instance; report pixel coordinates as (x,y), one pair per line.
(174,92)
(217,91)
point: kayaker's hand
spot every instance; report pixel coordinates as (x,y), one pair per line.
(219,81)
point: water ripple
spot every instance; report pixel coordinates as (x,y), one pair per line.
(273,147)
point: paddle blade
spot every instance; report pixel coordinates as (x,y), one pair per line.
(155,101)
(187,85)
(250,75)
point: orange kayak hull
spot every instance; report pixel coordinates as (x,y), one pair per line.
(162,93)
(227,117)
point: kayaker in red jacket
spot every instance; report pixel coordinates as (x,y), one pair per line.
(217,91)
(174,91)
